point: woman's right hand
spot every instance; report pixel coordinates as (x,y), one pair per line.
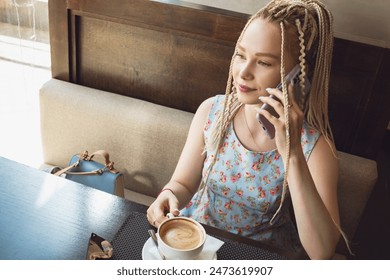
(166,202)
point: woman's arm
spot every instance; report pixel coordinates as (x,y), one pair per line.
(188,173)
(313,189)
(312,183)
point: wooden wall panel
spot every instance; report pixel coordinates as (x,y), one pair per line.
(59,40)
(172,71)
(358,107)
(177,54)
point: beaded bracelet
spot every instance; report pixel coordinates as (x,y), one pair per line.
(166,189)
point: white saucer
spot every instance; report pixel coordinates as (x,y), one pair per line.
(149,252)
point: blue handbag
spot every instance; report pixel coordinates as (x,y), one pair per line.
(83,169)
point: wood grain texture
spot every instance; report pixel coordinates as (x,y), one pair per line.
(178,54)
(45,217)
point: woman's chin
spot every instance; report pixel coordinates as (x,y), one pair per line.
(248,97)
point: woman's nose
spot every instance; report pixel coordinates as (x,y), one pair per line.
(246,71)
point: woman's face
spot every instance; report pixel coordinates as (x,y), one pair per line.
(256,64)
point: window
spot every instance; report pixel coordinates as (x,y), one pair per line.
(24,67)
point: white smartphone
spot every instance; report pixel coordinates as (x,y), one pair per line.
(291,77)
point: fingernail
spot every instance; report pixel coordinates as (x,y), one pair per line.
(261,97)
(170,216)
(268,90)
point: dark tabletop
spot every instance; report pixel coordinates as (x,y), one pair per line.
(43,216)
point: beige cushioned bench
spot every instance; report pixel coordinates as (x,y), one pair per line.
(145,141)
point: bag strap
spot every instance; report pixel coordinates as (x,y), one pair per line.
(101,153)
(93,172)
(65,170)
(108,166)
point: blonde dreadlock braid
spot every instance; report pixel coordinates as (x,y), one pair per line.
(287,118)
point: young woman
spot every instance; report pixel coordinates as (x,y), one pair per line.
(231,174)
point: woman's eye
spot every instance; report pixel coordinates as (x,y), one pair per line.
(240,55)
(263,63)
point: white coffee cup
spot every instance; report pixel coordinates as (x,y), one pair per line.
(180,238)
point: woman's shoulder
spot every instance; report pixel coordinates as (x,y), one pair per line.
(210,105)
(309,138)
(313,140)
(213,101)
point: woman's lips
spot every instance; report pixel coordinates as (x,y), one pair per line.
(245,89)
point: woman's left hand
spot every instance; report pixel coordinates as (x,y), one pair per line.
(295,115)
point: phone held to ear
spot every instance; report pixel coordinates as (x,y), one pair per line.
(290,78)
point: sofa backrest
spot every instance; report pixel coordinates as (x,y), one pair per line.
(143,139)
(357,178)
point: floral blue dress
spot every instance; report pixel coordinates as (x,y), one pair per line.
(244,189)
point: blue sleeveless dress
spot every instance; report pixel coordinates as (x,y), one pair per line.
(244,189)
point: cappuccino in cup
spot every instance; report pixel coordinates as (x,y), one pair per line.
(181,238)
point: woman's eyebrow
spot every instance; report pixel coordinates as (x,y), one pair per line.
(271,55)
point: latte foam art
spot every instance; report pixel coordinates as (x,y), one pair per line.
(182,235)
